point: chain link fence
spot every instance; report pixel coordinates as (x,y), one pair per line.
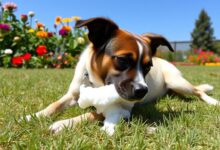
(182,50)
(185,45)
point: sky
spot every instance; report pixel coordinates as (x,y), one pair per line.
(174,19)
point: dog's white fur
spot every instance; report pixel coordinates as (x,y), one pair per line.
(140,78)
(162,76)
(107,101)
(160,79)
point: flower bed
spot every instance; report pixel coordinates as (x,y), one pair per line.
(202,57)
(28,44)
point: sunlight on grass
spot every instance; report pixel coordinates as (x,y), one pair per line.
(182,123)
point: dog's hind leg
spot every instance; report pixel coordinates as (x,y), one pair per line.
(205,88)
(71,97)
(181,86)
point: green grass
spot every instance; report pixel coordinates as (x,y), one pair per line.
(182,123)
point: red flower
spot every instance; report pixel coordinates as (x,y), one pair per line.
(26,56)
(41,50)
(18,60)
(24,18)
(50,34)
(217,59)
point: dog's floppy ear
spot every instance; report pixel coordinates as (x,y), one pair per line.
(100,29)
(155,41)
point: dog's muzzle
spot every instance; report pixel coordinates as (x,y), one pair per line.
(140,91)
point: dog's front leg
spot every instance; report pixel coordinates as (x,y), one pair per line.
(64,102)
(71,97)
(112,116)
(70,123)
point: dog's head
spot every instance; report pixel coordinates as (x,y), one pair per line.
(121,58)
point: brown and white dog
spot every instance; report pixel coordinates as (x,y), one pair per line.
(126,60)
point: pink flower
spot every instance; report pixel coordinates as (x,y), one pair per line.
(63,32)
(5,27)
(59,57)
(9,6)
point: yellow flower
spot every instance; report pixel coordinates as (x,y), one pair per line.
(41,28)
(76,18)
(31,30)
(66,20)
(42,34)
(58,20)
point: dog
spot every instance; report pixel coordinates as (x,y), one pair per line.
(115,56)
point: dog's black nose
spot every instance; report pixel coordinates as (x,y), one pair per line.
(140,91)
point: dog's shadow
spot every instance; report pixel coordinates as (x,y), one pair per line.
(150,114)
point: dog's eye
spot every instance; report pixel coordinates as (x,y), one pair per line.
(121,62)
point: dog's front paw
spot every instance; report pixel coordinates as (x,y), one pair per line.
(60,125)
(27,118)
(110,129)
(56,127)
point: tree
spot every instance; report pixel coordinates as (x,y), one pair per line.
(202,35)
(217,46)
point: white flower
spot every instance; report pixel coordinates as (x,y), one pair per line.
(31,13)
(8,51)
(81,40)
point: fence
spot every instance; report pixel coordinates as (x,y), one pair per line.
(182,50)
(181,45)
(184,45)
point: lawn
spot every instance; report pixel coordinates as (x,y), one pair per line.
(182,122)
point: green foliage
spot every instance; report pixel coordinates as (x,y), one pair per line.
(202,35)
(177,56)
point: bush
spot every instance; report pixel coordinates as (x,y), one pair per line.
(22,45)
(177,56)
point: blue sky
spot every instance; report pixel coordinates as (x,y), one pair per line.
(173,19)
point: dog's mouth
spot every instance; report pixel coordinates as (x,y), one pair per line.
(129,90)
(128,94)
